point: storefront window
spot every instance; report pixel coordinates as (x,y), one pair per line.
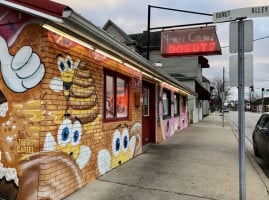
(166,98)
(109,97)
(176,104)
(145,102)
(184,101)
(116,98)
(122,98)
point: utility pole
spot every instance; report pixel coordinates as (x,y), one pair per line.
(262,100)
(251,91)
(223,95)
(148,32)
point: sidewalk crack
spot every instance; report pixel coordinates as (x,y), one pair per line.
(154,189)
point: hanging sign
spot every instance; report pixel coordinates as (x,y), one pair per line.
(192,41)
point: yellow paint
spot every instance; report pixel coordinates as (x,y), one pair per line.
(31,109)
(82,112)
(69,149)
(26,147)
(121,158)
(68,76)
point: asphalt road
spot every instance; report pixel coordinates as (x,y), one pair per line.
(250,122)
(251,119)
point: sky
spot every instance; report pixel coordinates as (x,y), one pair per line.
(131,17)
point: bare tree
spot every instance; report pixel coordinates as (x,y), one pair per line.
(217,83)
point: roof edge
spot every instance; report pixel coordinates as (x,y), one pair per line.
(71,18)
(29,10)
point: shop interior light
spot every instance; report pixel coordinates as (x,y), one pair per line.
(177,89)
(57,31)
(184,92)
(158,79)
(130,66)
(108,55)
(146,74)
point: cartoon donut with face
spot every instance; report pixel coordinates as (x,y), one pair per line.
(123,148)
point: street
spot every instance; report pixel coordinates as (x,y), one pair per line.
(251,119)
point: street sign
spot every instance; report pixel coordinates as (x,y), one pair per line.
(248,70)
(240,15)
(233,14)
(248,36)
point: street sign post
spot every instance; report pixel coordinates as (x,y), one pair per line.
(241,113)
(239,15)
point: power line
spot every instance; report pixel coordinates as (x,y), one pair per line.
(261,38)
(265,37)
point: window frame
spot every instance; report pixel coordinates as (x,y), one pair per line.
(168,94)
(176,104)
(184,101)
(115,76)
(146,107)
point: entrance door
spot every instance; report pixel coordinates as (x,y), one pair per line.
(148,113)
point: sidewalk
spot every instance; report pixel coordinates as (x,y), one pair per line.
(199,163)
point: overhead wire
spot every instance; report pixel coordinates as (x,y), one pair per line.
(257,39)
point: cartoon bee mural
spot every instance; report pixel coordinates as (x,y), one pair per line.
(78,85)
(82,108)
(124,146)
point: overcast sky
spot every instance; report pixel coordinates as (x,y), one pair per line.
(131,17)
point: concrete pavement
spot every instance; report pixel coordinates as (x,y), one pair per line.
(200,162)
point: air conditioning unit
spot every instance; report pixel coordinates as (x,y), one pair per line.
(158,65)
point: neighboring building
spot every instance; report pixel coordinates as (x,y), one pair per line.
(260,105)
(206,104)
(74,101)
(187,70)
(168,122)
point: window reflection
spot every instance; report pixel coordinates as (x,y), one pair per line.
(122,98)
(176,104)
(166,103)
(109,97)
(146,102)
(116,96)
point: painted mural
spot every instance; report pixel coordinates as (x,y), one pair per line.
(23,97)
(125,145)
(171,125)
(52,138)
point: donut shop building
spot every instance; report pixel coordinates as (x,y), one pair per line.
(74,101)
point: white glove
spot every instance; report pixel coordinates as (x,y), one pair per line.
(22,71)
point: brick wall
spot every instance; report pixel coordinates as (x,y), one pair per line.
(58,140)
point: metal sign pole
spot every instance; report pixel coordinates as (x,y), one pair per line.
(223,97)
(241,111)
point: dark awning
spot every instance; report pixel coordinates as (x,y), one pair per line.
(203,94)
(203,62)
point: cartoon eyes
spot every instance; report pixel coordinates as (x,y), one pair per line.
(120,141)
(76,133)
(125,140)
(65,64)
(69,132)
(65,134)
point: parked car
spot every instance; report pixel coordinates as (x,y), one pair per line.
(226,109)
(260,137)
